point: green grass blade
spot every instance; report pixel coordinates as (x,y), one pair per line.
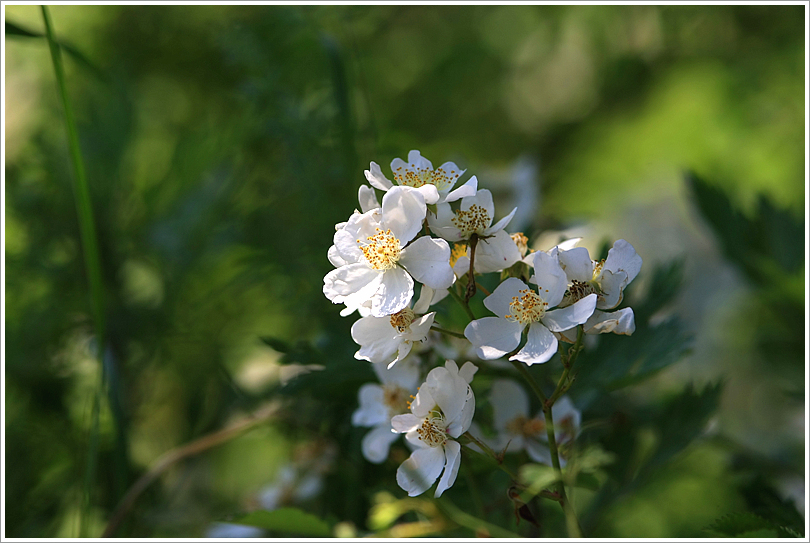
(91,256)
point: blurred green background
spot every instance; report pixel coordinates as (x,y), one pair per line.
(222,144)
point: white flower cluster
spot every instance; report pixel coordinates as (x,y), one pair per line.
(388,248)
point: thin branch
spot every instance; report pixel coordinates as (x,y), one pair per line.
(175,455)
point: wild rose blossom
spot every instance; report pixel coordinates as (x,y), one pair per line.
(518,306)
(441,411)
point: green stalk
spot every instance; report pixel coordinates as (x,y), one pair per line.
(462,302)
(570,515)
(568,363)
(91,254)
(448,332)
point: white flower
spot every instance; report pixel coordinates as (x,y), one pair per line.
(372,258)
(379,403)
(518,306)
(389,339)
(492,254)
(517,431)
(474,216)
(418,173)
(441,411)
(607,279)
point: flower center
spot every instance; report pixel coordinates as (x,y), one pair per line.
(597,268)
(520,425)
(521,241)
(578,290)
(401,320)
(381,250)
(459,250)
(473,220)
(526,308)
(395,399)
(433,429)
(419,177)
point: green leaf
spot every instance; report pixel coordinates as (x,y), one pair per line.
(772,238)
(587,480)
(287,520)
(735,524)
(536,477)
(13,29)
(276,344)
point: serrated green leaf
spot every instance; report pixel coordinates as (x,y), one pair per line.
(738,523)
(287,520)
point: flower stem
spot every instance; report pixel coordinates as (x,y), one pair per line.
(524,371)
(448,332)
(490,453)
(482,289)
(568,363)
(570,515)
(471,274)
(462,302)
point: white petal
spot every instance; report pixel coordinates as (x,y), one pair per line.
(452,173)
(376,178)
(372,410)
(540,346)
(467,371)
(612,284)
(428,261)
(377,338)
(618,322)
(377,442)
(442,225)
(493,337)
(417,161)
(394,293)
(462,265)
(351,279)
(420,470)
(568,244)
(430,193)
(577,264)
(403,211)
(334,257)
(367,198)
(549,277)
(623,257)
(498,302)
(423,402)
(509,401)
(405,423)
(496,253)
(452,451)
(448,390)
(462,423)
(568,317)
(539,452)
(420,327)
(425,298)
(405,374)
(501,224)
(564,409)
(347,247)
(467,189)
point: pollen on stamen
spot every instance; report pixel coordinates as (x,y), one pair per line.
(382,250)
